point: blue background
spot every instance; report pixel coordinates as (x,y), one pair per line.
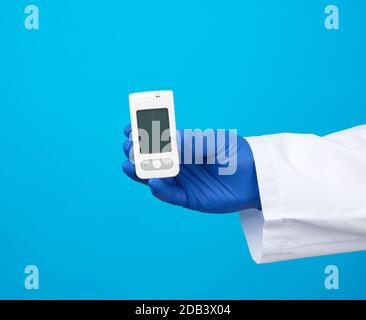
(65,205)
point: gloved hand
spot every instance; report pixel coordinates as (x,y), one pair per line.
(200,186)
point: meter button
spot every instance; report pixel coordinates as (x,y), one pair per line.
(156,164)
(166,163)
(146,165)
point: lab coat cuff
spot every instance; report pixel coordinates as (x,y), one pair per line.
(299,216)
(265,230)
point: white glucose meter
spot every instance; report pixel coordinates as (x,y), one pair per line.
(154,134)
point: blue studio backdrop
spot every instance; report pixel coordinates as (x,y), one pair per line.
(65,205)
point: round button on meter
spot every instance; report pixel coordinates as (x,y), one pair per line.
(156,164)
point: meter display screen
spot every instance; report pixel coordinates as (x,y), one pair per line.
(154,130)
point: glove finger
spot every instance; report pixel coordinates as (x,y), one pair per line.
(168,192)
(128,130)
(129,170)
(195,146)
(168,180)
(127,149)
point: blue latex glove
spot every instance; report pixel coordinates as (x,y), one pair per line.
(200,187)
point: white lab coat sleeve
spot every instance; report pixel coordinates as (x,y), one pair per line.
(313,195)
